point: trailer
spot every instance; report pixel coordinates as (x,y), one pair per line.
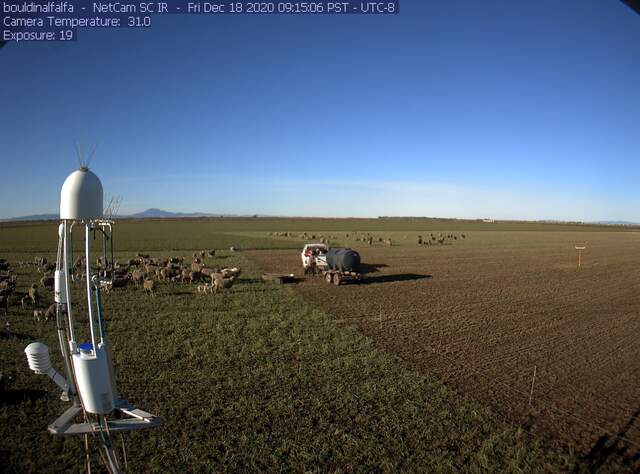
(338,276)
(334,265)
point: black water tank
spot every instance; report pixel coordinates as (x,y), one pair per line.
(343,259)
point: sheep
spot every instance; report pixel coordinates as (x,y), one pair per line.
(206,288)
(207,272)
(34,296)
(225,274)
(47,282)
(185,276)
(168,273)
(138,277)
(150,268)
(50,313)
(223,283)
(197,267)
(150,286)
(230,272)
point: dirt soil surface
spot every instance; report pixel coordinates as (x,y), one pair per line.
(485,312)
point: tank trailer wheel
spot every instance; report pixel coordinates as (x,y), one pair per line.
(328,277)
(336,279)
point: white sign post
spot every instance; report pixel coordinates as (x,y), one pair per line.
(580,248)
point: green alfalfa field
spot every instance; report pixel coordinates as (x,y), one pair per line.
(260,377)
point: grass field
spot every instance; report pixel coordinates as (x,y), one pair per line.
(482,313)
(311,378)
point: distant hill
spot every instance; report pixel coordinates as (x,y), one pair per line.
(159,213)
(152,213)
(34,217)
(617,223)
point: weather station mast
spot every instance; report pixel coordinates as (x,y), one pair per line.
(89,381)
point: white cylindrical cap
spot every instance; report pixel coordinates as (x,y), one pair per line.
(81,196)
(38,357)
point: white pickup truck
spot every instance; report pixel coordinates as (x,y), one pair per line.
(314,257)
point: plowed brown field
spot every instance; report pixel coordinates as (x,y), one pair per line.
(483,312)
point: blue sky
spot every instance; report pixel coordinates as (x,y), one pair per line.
(506,109)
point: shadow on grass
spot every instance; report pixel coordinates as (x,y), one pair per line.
(247,281)
(371,267)
(8,334)
(181,293)
(393,278)
(614,449)
(14,397)
(246,289)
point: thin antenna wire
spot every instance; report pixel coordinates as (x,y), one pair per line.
(79,154)
(112,207)
(117,206)
(91,153)
(84,160)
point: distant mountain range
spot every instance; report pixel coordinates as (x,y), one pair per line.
(617,223)
(159,213)
(152,213)
(33,217)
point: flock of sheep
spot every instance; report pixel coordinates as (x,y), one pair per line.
(142,270)
(145,271)
(440,239)
(366,237)
(33,297)
(326,239)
